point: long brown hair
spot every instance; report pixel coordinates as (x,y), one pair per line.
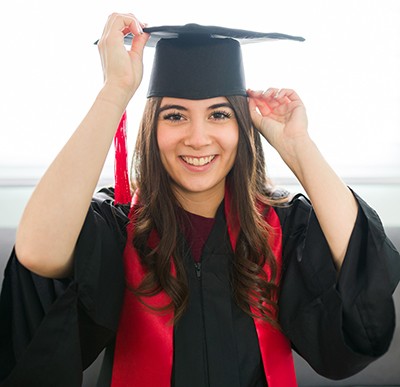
(158,211)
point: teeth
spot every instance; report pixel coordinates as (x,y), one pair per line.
(198,161)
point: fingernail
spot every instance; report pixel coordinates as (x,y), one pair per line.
(139,27)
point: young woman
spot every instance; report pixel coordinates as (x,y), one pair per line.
(209,276)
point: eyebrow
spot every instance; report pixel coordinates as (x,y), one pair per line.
(183,108)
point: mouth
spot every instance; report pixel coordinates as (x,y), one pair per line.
(198,161)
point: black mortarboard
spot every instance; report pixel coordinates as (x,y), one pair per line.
(197,62)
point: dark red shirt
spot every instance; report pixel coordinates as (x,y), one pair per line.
(196,230)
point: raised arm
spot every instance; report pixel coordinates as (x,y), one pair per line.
(281,118)
(54,215)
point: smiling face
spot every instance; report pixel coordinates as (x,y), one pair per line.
(197,140)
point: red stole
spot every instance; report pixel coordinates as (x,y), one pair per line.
(144,346)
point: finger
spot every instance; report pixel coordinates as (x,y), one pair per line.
(137,23)
(139,37)
(128,20)
(254,93)
(126,31)
(266,95)
(277,98)
(252,106)
(254,113)
(271,92)
(138,44)
(261,104)
(265,99)
(118,25)
(289,94)
(259,93)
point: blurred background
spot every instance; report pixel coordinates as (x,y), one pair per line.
(346,72)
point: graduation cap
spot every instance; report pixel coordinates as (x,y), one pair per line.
(191,61)
(197,62)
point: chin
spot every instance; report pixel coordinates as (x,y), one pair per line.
(200,187)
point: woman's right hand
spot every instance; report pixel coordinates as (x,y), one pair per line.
(122,68)
(54,215)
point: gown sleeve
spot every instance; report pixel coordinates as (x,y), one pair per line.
(339,323)
(52,329)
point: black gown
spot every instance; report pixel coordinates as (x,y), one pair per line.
(51,330)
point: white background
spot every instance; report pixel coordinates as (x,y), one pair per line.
(347,73)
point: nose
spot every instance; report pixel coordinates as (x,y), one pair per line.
(197,135)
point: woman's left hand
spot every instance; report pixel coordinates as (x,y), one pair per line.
(281,118)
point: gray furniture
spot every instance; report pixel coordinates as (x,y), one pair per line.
(384,372)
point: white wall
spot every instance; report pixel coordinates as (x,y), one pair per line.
(347,72)
(383,198)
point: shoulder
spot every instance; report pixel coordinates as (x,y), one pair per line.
(103,206)
(286,203)
(292,210)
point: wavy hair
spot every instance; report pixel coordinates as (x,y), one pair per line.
(158,210)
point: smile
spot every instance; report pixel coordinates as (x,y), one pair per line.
(198,161)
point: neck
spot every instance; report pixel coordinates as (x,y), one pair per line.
(201,203)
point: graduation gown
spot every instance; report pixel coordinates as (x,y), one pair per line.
(215,343)
(53,329)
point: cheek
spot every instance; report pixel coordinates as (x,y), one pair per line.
(233,141)
(167,144)
(163,140)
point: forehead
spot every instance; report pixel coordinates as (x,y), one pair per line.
(191,104)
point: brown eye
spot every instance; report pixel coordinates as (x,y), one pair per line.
(173,117)
(221,115)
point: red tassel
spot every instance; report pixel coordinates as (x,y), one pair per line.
(122,186)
